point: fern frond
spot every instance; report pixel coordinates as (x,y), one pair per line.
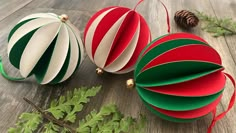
(27,123)
(67,106)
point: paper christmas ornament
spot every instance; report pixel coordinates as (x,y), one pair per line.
(114,38)
(179,77)
(45,45)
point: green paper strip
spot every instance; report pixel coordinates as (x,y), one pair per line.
(41,67)
(63,70)
(5,75)
(19,47)
(175,72)
(169,118)
(175,103)
(146,47)
(80,56)
(161,48)
(17,27)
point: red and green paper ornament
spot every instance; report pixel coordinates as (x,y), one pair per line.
(179,78)
(114,37)
(45,45)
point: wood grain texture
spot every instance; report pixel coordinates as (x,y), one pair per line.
(8,7)
(114,90)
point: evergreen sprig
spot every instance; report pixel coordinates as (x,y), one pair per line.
(61,114)
(219,27)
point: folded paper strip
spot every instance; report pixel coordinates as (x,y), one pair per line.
(114,37)
(179,77)
(45,46)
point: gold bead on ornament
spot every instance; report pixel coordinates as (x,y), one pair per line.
(130,83)
(64,17)
(99,71)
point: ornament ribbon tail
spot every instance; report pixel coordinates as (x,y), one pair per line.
(138,4)
(167,17)
(5,75)
(231,103)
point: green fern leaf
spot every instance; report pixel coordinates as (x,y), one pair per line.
(62,113)
(51,128)
(27,123)
(68,106)
(140,125)
(92,119)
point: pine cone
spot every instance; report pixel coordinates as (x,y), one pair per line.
(186,19)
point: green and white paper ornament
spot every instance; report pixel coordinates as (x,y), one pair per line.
(45,45)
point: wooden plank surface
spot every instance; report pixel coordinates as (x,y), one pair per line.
(114,90)
(10,6)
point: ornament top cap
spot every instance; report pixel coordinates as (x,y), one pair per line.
(64,17)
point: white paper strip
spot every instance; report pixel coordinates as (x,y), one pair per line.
(105,45)
(91,31)
(74,55)
(26,28)
(59,55)
(76,32)
(124,58)
(36,47)
(39,15)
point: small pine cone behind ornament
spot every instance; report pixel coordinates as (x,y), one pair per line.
(186,19)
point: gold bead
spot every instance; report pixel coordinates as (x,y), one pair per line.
(64,17)
(130,83)
(99,71)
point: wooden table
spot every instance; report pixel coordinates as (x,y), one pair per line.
(114,89)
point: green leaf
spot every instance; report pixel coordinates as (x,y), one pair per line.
(111,124)
(67,106)
(53,103)
(218,27)
(65,130)
(71,116)
(57,113)
(27,123)
(51,128)
(107,120)
(92,119)
(125,123)
(140,125)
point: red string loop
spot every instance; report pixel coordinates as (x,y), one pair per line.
(167,14)
(231,103)
(138,4)
(167,18)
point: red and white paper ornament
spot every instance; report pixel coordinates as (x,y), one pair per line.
(114,38)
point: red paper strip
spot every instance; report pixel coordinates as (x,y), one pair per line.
(204,86)
(105,24)
(138,4)
(194,52)
(190,113)
(174,37)
(124,36)
(231,104)
(167,18)
(143,40)
(93,18)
